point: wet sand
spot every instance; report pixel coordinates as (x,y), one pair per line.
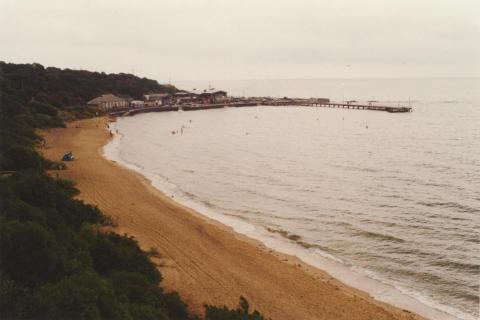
(206,262)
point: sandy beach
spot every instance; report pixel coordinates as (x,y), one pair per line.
(206,262)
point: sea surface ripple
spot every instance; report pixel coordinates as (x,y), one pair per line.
(394,196)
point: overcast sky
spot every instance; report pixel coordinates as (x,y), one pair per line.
(245,39)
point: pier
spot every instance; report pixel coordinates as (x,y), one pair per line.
(373,107)
(322,103)
(325,103)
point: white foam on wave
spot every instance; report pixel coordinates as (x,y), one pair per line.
(358,278)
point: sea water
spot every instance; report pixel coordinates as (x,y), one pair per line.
(388,203)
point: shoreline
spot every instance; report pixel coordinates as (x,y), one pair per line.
(380,289)
(202,259)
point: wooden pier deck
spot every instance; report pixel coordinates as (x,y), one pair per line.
(373,107)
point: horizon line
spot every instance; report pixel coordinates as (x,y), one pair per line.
(336,78)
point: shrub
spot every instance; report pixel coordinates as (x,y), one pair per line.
(241,313)
(29,254)
(52,262)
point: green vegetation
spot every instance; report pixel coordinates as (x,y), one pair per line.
(242,313)
(52,92)
(55,262)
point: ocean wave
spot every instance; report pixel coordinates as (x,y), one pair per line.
(454,205)
(299,241)
(285,234)
(380,236)
(420,295)
(473,240)
(472,268)
(430,301)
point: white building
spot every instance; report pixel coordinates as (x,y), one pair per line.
(107,102)
(157,99)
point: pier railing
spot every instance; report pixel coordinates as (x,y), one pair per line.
(392,109)
(327,104)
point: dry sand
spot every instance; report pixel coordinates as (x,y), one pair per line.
(206,262)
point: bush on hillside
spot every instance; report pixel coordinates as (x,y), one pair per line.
(54,261)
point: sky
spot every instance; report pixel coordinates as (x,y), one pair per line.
(173,40)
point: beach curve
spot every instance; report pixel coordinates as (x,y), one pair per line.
(206,262)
